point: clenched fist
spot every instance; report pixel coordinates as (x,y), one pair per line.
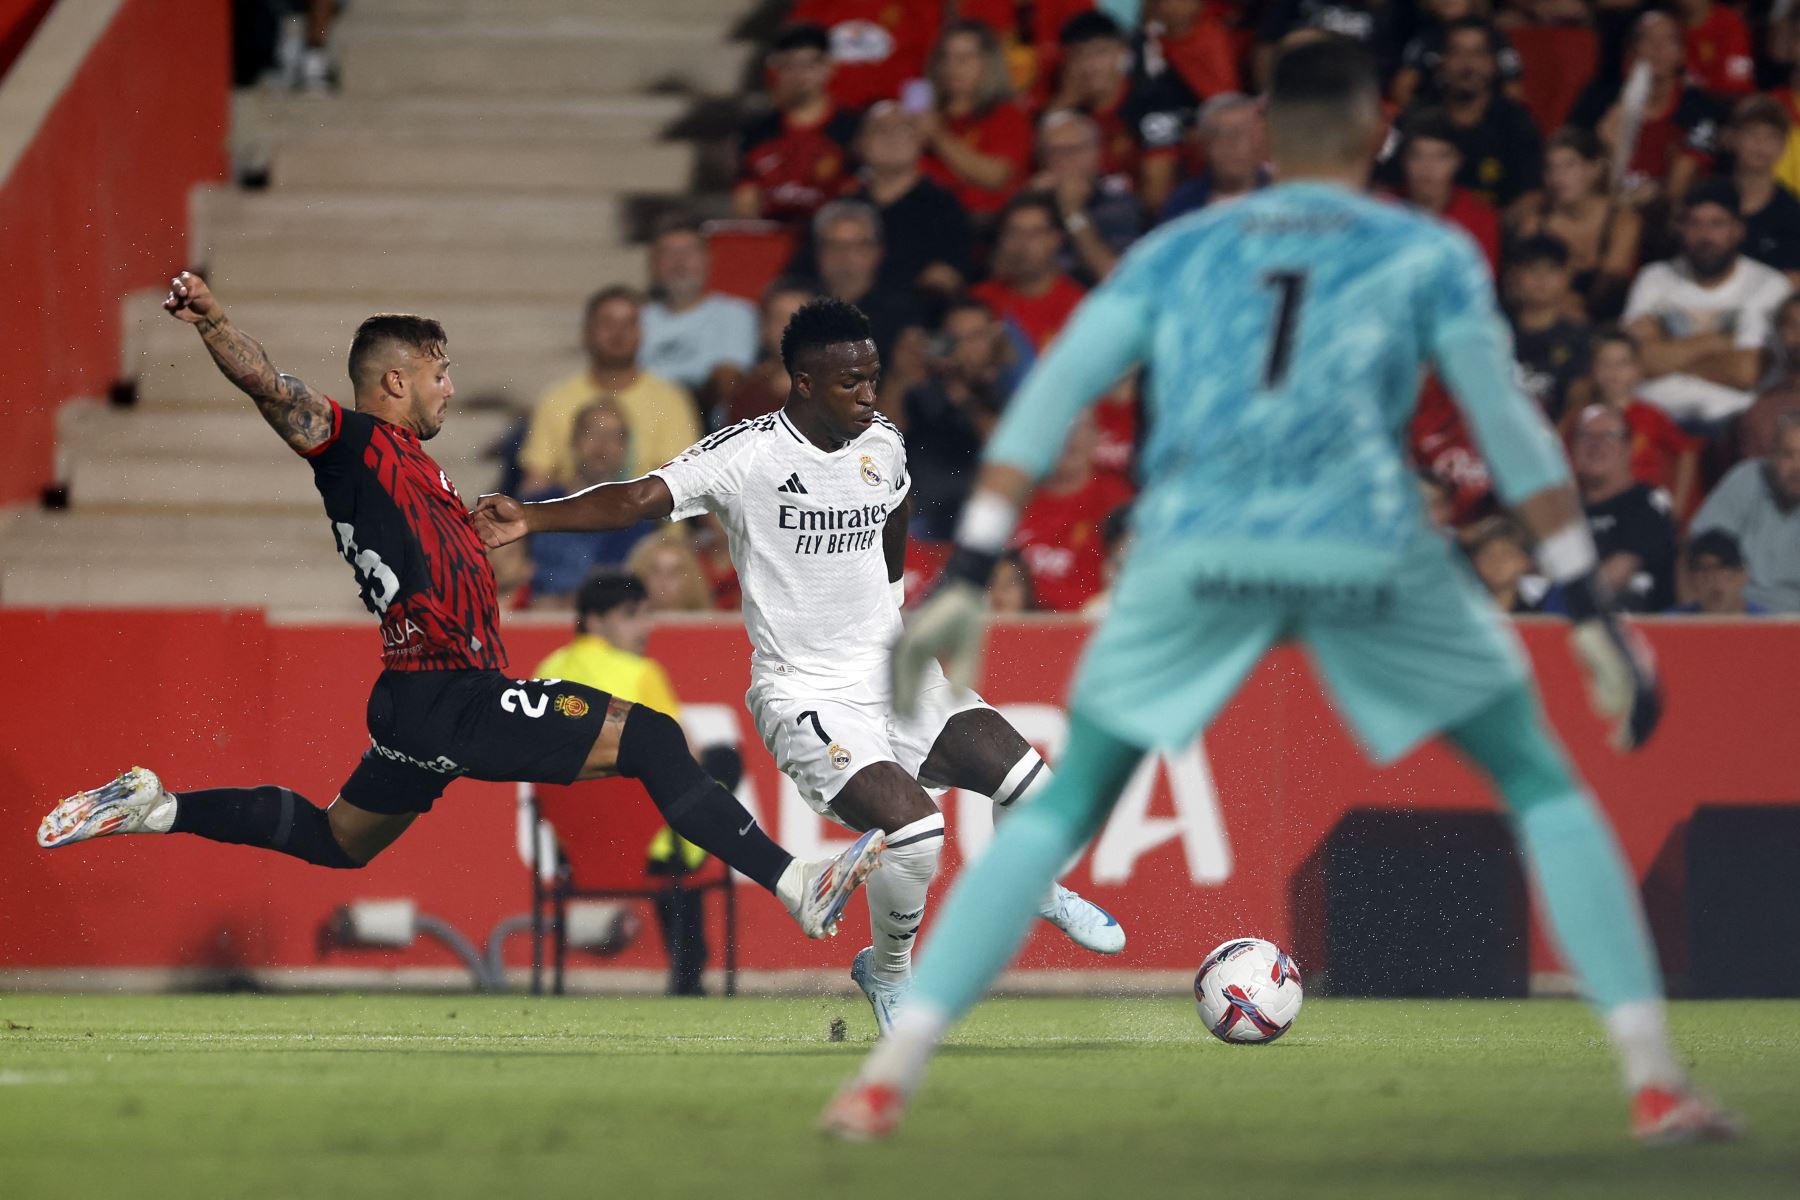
(190,300)
(498,520)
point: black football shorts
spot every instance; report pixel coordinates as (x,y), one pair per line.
(428,727)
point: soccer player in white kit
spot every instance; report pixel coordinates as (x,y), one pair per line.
(815,502)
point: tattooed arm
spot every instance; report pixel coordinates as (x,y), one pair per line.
(295,411)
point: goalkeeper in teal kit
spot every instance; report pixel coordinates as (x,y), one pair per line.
(1282,338)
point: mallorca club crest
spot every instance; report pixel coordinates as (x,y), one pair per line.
(571,705)
(871,474)
(840,757)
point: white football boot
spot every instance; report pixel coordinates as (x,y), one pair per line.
(133,803)
(1087,924)
(884,996)
(826,885)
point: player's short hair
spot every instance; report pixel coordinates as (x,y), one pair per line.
(1090,26)
(605,589)
(606,295)
(1539,249)
(802,35)
(1330,72)
(421,335)
(821,323)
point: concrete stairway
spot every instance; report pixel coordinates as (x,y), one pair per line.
(482,165)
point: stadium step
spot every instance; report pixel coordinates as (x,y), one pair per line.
(92,432)
(383,220)
(186,481)
(323,589)
(583,56)
(361,160)
(279,116)
(720,13)
(499,273)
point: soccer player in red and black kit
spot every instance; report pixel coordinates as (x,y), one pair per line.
(443,706)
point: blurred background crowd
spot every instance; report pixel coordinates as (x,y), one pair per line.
(965,172)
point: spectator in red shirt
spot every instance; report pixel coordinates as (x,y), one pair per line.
(795,158)
(1429,162)
(1141,117)
(876,45)
(1718,47)
(978,141)
(1577,208)
(1680,128)
(1193,40)
(1028,286)
(1661,454)
(1059,534)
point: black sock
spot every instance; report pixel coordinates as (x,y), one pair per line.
(654,751)
(267,816)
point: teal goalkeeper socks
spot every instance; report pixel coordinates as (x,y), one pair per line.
(991,908)
(1586,887)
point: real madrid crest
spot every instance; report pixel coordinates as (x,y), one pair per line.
(871,474)
(840,757)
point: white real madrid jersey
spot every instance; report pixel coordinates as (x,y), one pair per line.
(805,528)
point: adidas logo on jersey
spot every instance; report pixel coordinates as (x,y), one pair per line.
(793,485)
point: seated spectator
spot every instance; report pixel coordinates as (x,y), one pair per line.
(1230,132)
(764,387)
(1676,141)
(1416,80)
(1716,45)
(1550,345)
(1702,319)
(1757,136)
(1028,286)
(1716,577)
(512,569)
(1442,446)
(876,45)
(1502,152)
(1758,502)
(1634,531)
(978,141)
(794,158)
(1501,555)
(1576,206)
(1009,590)
(1377,25)
(848,245)
(1059,532)
(612,629)
(1141,117)
(925,232)
(1193,41)
(1117,422)
(670,571)
(601,445)
(1439,499)
(1756,431)
(659,414)
(1100,214)
(1430,165)
(947,418)
(1661,454)
(702,340)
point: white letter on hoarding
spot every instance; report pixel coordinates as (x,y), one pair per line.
(1132,832)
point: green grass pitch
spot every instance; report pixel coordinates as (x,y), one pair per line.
(462,1096)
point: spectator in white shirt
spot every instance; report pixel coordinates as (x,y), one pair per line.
(1702,319)
(701,340)
(1758,502)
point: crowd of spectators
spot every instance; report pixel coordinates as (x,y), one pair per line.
(965,172)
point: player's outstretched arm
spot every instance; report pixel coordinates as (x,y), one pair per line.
(295,411)
(502,519)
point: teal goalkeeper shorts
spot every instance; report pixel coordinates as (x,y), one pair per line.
(1403,657)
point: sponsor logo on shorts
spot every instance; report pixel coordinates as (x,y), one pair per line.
(440,764)
(571,706)
(840,757)
(871,474)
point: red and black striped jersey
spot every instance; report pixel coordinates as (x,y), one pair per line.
(402,527)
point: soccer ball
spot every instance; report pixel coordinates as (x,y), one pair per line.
(1248,990)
